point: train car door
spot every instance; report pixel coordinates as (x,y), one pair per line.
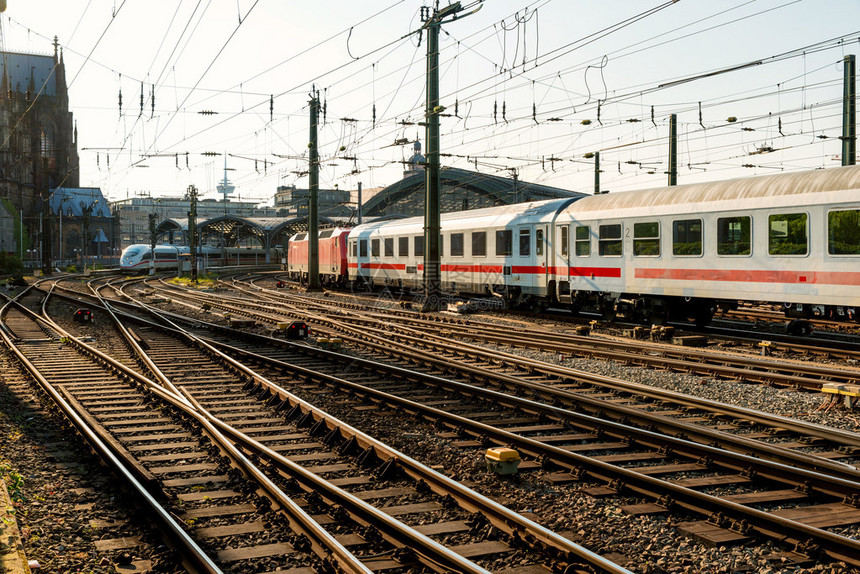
(541,255)
(562,248)
(524,272)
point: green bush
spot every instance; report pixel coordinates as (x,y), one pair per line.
(10,264)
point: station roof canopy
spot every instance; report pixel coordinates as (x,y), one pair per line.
(461,189)
(172,225)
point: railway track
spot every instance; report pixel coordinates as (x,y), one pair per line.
(607,397)
(836,344)
(552,448)
(371,472)
(771,316)
(791,374)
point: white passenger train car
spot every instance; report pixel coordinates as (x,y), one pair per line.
(788,238)
(502,250)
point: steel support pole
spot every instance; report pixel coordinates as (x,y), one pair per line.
(849,113)
(673,149)
(358,210)
(192,231)
(432,212)
(313,207)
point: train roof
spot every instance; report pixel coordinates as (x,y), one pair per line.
(517,213)
(778,188)
(332,231)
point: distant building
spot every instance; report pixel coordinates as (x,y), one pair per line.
(460,190)
(416,161)
(291,202)
(83,223)
(38,141)
(133,213)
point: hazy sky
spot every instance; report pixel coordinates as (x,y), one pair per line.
(526,80)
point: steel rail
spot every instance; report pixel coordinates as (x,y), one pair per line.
(384,344)
(499,515)
(433,554)
(324,545)
(506,438)
(195,559)
(764,371)
(742,517)
(706,436)
(551,393)
(430,552)
(789,374)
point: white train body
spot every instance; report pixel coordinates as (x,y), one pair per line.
(137,258)
(788,238)
(480,249)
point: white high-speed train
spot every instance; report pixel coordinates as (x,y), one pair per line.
(670,252)
(137,258)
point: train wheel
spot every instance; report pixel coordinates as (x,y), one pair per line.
(607,311)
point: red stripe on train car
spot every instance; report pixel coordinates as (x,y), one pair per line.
(586,271)
(462,268)
(395,266)
(753,276)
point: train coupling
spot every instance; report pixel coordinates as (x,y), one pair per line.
(502,460)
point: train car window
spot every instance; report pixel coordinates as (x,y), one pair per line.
(787,234)
(325,234)
(564,240)
(403,247)
(646,239)
(457,245)
(843,232)
(362,243)
(504,242)
(301,236)
(609,240)
(525,242)
(479,243)
(419,246)
(132,253)
(734,235)
(687,237)
(165,255)
(146,256)
(389,247)
(583,241)
(354,248)
(374,248)
(538,241)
